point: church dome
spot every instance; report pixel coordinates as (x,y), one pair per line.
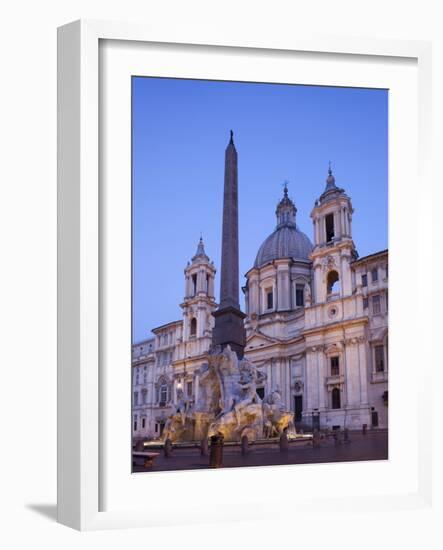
(287,241)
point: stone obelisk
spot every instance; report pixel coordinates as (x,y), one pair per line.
(229,328)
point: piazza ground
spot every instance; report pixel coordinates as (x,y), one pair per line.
(372,446)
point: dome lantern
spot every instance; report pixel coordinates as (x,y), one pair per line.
(286,210)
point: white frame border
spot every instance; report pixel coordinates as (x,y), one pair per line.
(78,256)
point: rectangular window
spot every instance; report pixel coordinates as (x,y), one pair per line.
(335,368)
(144,393)
(379,353)
(364,279)
(269,299)
(365,303)
(189,389)
(376,304)
(143,422)
(135,423)
(194,284)
(374,275)
(299,295)
(136,398)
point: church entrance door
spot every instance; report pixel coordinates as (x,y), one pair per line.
(298,407)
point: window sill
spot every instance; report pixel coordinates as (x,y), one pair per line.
(378,377)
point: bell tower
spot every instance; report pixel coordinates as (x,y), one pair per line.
(334,248)
(199,301)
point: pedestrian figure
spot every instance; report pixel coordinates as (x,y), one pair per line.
(244,445)
(204,447)
(284,442)
(168,448)
(216,451)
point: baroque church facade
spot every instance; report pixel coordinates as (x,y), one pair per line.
(316,326)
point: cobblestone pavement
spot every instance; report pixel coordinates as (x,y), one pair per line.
(372,446)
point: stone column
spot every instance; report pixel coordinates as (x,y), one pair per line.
(282,288)
(320,292)
(229,285)
(363,371)
(254,306)
(316,232)
(346,281)
(201,314)
(352,373)
(321,380)
(196,388)
(211,286)
(337,224)
(288,382)
(229,328)
(201,281)
(311,382)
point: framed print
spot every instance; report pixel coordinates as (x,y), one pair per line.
(223,332)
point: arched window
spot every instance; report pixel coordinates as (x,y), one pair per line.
(269,297)
(193,326)
(333,282)
(329,226)
(336,398)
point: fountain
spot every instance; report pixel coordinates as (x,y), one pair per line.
(228,405)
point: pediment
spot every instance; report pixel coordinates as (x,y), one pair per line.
(378,334)
(257,339)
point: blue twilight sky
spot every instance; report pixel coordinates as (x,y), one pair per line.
(281,132)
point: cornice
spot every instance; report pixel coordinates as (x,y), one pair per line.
(363,321)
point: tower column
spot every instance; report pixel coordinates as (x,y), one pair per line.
(229,328)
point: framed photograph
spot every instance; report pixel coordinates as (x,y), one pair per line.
(236,220)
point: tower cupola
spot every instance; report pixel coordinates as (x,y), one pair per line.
(200,255)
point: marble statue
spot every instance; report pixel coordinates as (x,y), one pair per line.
(228,404)
(307,294)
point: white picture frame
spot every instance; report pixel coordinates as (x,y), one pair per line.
(82,398)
